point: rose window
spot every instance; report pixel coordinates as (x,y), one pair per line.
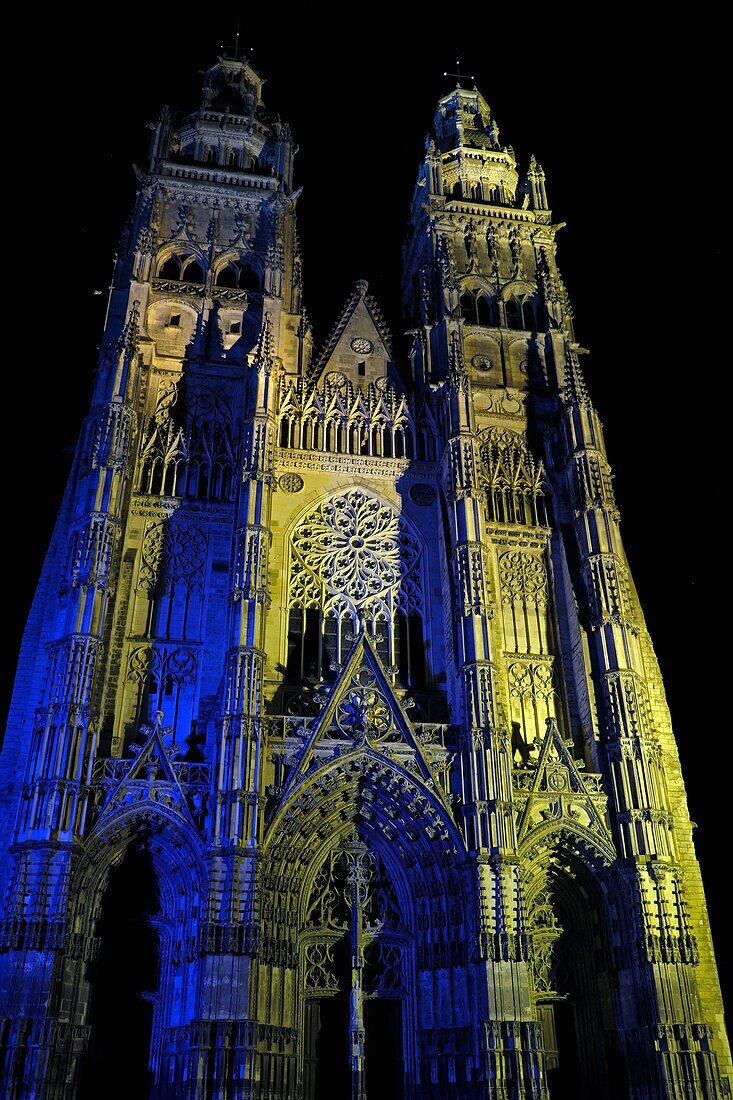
(354,545)
(354,565)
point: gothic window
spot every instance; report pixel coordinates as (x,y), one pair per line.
(227,275)
(238,276)
(514,478)
(172,572)
(528,316)
(468,308)
(192,272)
(182,269)
(249,279)
(188,452)
(167,678)
(171,269)
(410,649)
(354,565)
(483,311)
(457,191)
(513,313)
(478,309)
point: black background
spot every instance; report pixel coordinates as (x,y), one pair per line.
(627,125)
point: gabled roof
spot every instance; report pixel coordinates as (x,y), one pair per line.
(358,295)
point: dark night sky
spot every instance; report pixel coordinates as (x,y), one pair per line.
(631,149)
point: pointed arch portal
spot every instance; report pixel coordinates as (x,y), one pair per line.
(370,902)
(123,978)
(353,959)
(369,882)
(573,901)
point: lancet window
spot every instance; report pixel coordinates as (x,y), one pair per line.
(186,269)
(521,313)
(190,452)
(239,276)
(478,309)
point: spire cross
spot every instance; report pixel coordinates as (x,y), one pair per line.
(236,44)
(459,75)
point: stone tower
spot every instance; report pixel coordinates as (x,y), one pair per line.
(338,763)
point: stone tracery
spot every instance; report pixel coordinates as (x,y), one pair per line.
(355,546)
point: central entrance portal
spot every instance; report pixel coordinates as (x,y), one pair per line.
(353,962)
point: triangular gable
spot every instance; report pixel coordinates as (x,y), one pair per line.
(558,792)
(362,320)
(290,402)
(403,412)
(313,404)
(336,406)
(150,777)
(363,714)
(153,761)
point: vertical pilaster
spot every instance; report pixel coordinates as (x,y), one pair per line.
(512,1049)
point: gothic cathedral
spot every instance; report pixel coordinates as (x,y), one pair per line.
(338,764)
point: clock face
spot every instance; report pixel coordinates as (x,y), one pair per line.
(361,346)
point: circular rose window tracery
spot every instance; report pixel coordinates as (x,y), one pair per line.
(353,545)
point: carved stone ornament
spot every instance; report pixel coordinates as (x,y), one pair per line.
(357,544)
(362,346)
(481,362)
(422,494)
(291,483)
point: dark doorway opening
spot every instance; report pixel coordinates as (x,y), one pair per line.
(125,970)
(383,1060)
(329,1029)
(561,1049)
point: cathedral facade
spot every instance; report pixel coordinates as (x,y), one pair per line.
(338,763)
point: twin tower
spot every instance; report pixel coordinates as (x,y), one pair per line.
(338,765)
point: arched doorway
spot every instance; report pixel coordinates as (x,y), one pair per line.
(129,975)
(369,908)
(123,977)
(574,978)
(354,956)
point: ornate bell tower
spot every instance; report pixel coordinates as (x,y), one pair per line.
(591,906)
(338,762)
(140,676)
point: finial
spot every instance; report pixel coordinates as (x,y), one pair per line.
(362,286)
